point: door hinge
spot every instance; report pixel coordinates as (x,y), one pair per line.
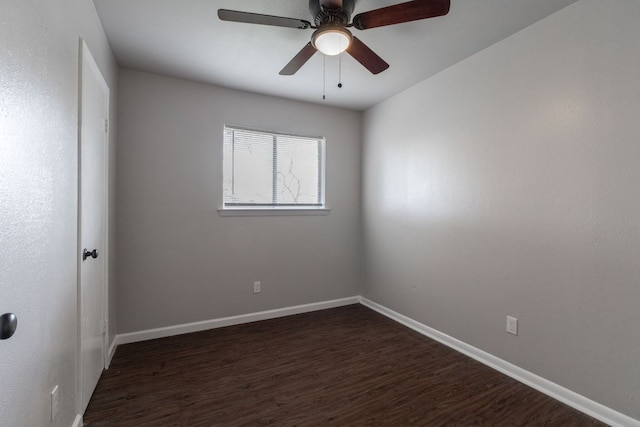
(106,125)
(104,327)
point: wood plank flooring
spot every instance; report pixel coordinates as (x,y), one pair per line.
(347,366)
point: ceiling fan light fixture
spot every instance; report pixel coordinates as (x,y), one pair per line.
(331,40)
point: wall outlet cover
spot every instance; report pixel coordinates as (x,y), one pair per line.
(512,325)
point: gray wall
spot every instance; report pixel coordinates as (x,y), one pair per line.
(38,201)
(179,260)
(508,184)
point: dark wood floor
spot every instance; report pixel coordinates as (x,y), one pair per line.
(347,366)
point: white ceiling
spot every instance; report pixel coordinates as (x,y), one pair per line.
(185,38)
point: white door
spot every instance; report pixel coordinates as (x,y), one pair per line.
(94,109)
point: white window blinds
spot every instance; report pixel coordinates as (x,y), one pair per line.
(272,170)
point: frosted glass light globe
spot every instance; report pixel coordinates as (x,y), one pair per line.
(332,41)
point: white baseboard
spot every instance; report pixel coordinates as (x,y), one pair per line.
(564,395)
(111,351)
(78,421)
(229,321)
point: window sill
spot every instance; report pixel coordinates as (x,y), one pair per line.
(273,212)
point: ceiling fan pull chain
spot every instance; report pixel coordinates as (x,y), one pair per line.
(324,77)
(340,71)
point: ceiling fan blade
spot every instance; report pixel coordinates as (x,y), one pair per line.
(402,12)
(257,18)
(368,58)
(299,60)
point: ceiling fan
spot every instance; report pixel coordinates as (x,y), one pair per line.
(332,18)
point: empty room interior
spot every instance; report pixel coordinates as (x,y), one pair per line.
(453,199)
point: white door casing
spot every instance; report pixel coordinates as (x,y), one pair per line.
(92,223)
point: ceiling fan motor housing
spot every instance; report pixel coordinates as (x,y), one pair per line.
(331,16)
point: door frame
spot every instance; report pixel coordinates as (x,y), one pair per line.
(85,54)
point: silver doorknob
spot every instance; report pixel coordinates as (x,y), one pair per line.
(8,325)
(86,254)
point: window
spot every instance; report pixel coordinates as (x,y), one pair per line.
(266,170)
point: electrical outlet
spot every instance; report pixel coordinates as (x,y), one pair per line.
(257,287)
(512,325)
(55,402)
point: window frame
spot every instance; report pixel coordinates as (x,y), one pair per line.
(285,209)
